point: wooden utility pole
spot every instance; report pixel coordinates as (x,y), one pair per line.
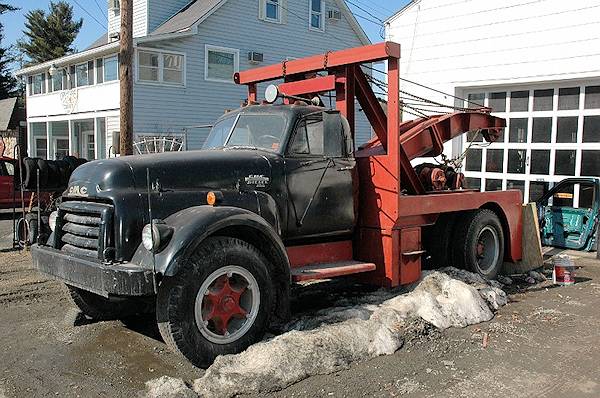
(126,78)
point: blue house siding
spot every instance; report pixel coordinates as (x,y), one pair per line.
(160,10)
(164,109)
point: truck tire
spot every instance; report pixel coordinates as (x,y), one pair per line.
(479,243)
(219,303)
(102,309)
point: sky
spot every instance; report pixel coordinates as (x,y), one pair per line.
(369,13)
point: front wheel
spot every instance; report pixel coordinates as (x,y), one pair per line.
(219,303)
(479,243)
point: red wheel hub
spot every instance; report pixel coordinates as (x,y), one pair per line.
(222,303)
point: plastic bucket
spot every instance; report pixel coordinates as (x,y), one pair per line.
(564,270)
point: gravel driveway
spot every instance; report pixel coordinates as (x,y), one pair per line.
(545,342)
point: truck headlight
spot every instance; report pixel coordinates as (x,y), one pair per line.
(156,235)
(52,220)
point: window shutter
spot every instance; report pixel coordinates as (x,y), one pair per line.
(262,9)
(283,9)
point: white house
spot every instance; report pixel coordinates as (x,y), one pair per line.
(535,63)
(185,55)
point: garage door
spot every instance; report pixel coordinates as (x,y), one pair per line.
(553,132)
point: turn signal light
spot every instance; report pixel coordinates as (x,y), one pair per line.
(211,198)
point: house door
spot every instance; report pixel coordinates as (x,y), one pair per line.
(84,144)
(88,146)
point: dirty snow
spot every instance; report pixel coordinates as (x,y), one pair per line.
(168,387)
(331,339)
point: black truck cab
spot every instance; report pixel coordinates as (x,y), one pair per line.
(212,223)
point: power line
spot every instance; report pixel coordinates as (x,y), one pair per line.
(88,13)
(367,19)
(362,9)
(375,7)
(101,10)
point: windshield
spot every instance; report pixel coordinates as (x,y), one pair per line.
(256,131)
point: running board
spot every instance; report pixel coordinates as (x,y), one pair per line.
(331,270)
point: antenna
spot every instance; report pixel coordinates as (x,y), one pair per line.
(151,228)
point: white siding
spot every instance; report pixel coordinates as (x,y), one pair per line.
(114,21)
(451,44)
(112,125)
(164,109)
(140,18)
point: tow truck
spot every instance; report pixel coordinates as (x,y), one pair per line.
(211,240)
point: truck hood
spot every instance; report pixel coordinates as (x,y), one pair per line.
(220,169)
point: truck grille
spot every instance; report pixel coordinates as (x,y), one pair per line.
(84,228)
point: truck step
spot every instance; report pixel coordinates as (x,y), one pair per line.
(331,270)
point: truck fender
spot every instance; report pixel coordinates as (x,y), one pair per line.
(193,225)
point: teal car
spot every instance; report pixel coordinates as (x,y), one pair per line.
(568,214)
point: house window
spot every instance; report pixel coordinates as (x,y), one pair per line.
(317,12)
(59,80)
(172,68)
(148,66)
(41,147)
(111,68)
(61,147)
(270,10)
(82,74)
(160,67)
(221,63)
(37,84)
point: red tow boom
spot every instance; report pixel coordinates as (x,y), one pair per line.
(393,203)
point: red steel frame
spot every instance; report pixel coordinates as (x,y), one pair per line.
(393,204)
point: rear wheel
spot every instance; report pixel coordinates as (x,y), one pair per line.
(479,243)
(219,303)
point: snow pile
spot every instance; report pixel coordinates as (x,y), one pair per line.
(168,387)
(332,339)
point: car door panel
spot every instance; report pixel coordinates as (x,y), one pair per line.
(568,226)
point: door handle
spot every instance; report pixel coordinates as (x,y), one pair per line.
(345,168)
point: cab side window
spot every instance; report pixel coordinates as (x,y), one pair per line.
(9,168)
(310,139)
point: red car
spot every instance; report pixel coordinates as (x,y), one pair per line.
(7,173)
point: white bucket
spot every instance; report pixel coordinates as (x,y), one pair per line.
(564,270)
